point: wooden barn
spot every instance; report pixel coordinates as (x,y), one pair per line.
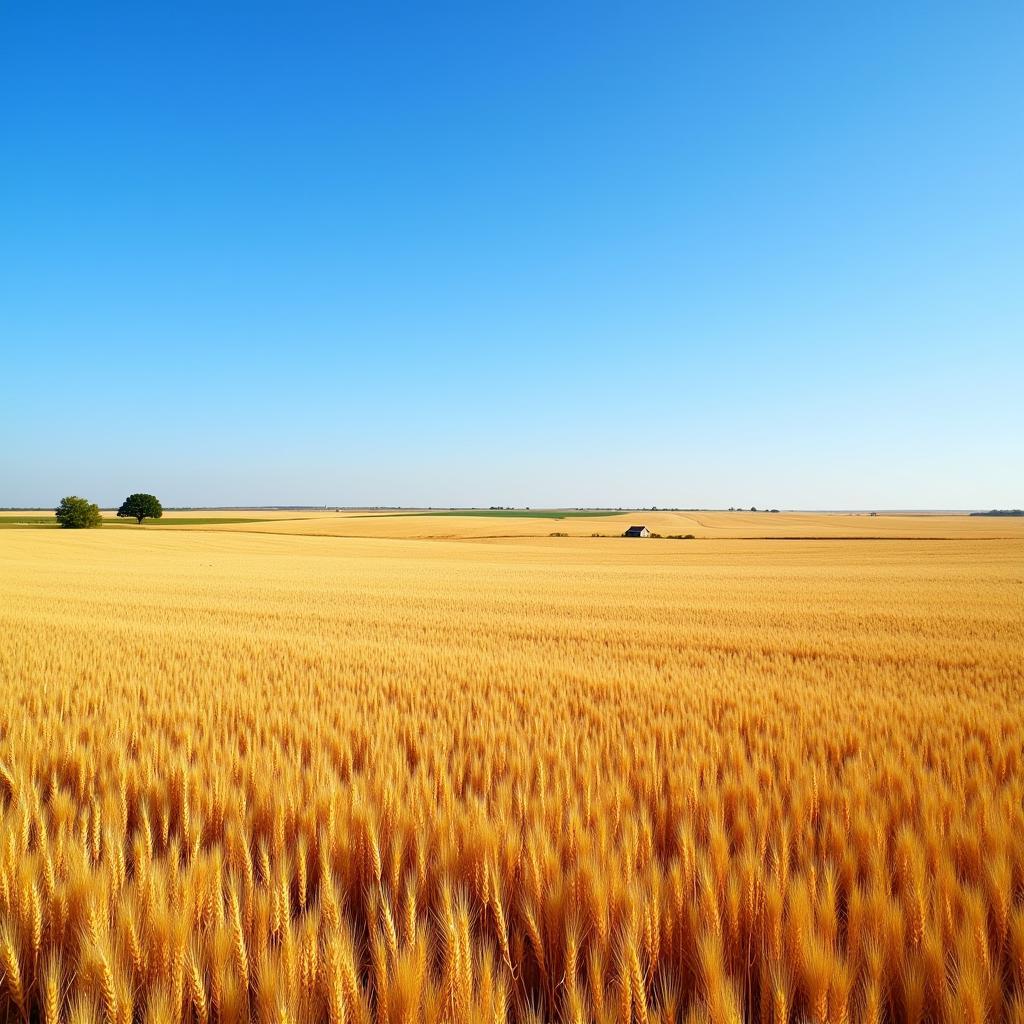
(637,531)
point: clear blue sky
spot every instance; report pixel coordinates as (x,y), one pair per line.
(549,254)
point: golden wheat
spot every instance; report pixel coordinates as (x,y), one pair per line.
(267,778)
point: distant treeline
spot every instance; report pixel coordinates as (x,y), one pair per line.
(1001,512)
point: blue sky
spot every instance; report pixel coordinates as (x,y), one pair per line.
(608,254)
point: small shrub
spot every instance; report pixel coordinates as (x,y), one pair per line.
(74,513)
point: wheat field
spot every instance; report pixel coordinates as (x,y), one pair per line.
(250,776)
(701,525)
(466,524)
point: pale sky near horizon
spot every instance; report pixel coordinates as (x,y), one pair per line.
(549,255)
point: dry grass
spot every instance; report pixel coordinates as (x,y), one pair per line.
(290,778)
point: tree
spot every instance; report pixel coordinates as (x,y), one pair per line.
(74,513)
(140,506)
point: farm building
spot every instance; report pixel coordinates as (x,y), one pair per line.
(637,531)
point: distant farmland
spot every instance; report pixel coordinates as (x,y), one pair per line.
(512,513)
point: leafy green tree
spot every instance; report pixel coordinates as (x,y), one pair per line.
(74,513)
(140,506)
